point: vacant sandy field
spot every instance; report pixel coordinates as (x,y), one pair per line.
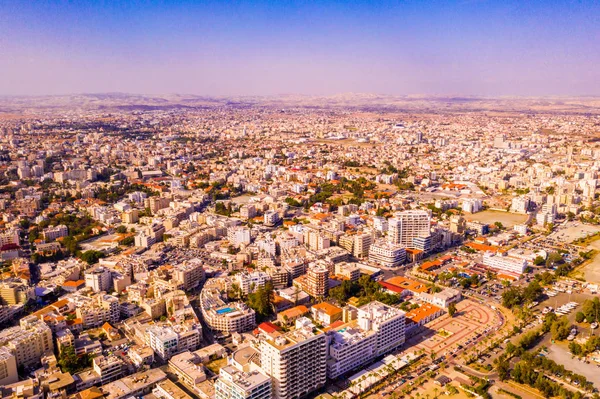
(574,231)
(591,271)
(489,217)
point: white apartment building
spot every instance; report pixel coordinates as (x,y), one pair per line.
(387,254)
(221,316)
(99,279)
(504,263)
(144,240)
(349,348)
(315,240)
(52,233)
(296,361)
(472,205)
(542,218)
(520,204)
(108,368)
(163,341)
(237,384)
(388,322)
(408,225)
(520,228)
(247,211)
(167,340)
(9,237)
(380,224)
(268,246)
(238,235)
(270,218)
(250,282)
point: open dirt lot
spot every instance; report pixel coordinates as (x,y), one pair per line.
(507,219)
(573,231)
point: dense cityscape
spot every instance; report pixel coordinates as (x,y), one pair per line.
(295,247)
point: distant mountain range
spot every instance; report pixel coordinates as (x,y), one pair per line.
(359,101)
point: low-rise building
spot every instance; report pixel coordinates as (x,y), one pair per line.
(237,384)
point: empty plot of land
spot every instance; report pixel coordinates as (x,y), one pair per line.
(102,242)
(506,218)
(591,271)
(584,235)
(574,231)
(561,355)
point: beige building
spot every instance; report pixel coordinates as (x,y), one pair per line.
(317,282)
(28,341)
(188,368)
(96,311)
(8,367)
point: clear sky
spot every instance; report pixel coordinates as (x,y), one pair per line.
(464,47)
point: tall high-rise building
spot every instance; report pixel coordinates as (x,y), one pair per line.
(419,137)
(408,225)
(379,329)
(317,281)
(362,243)
(387,321)
(296,361)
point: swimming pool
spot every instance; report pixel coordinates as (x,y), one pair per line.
(224,310)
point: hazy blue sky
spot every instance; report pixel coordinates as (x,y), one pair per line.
(466,47)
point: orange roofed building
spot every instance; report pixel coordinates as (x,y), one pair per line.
(420,316)
(326,313)
(415,287)
(289,316)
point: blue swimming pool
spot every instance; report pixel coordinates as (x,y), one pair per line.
(224,310)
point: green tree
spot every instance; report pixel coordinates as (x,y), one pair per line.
(127,241)
(261,301)
(512,297)
(91,256)
(560,329)
(452,309)
(575,348)
(503,368)
(591,309)
(539,260)
(69,362)
(554,258)
(532,291)
(121,229)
